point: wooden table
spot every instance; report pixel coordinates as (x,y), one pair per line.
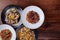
(50,30)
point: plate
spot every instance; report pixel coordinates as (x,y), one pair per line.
(40,13)
(7,9)
(4,26)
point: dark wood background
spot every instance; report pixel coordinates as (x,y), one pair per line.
(50,30)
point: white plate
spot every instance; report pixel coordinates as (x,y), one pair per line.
(41,16)
(4,26)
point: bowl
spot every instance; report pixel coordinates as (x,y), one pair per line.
(39,12)
(4,26)
(6,10)
(35,32)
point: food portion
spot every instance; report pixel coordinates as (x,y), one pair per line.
(6,34)
(32,17)
(13,16)
(26,34)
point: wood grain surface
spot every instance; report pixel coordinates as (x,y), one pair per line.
(50,30)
